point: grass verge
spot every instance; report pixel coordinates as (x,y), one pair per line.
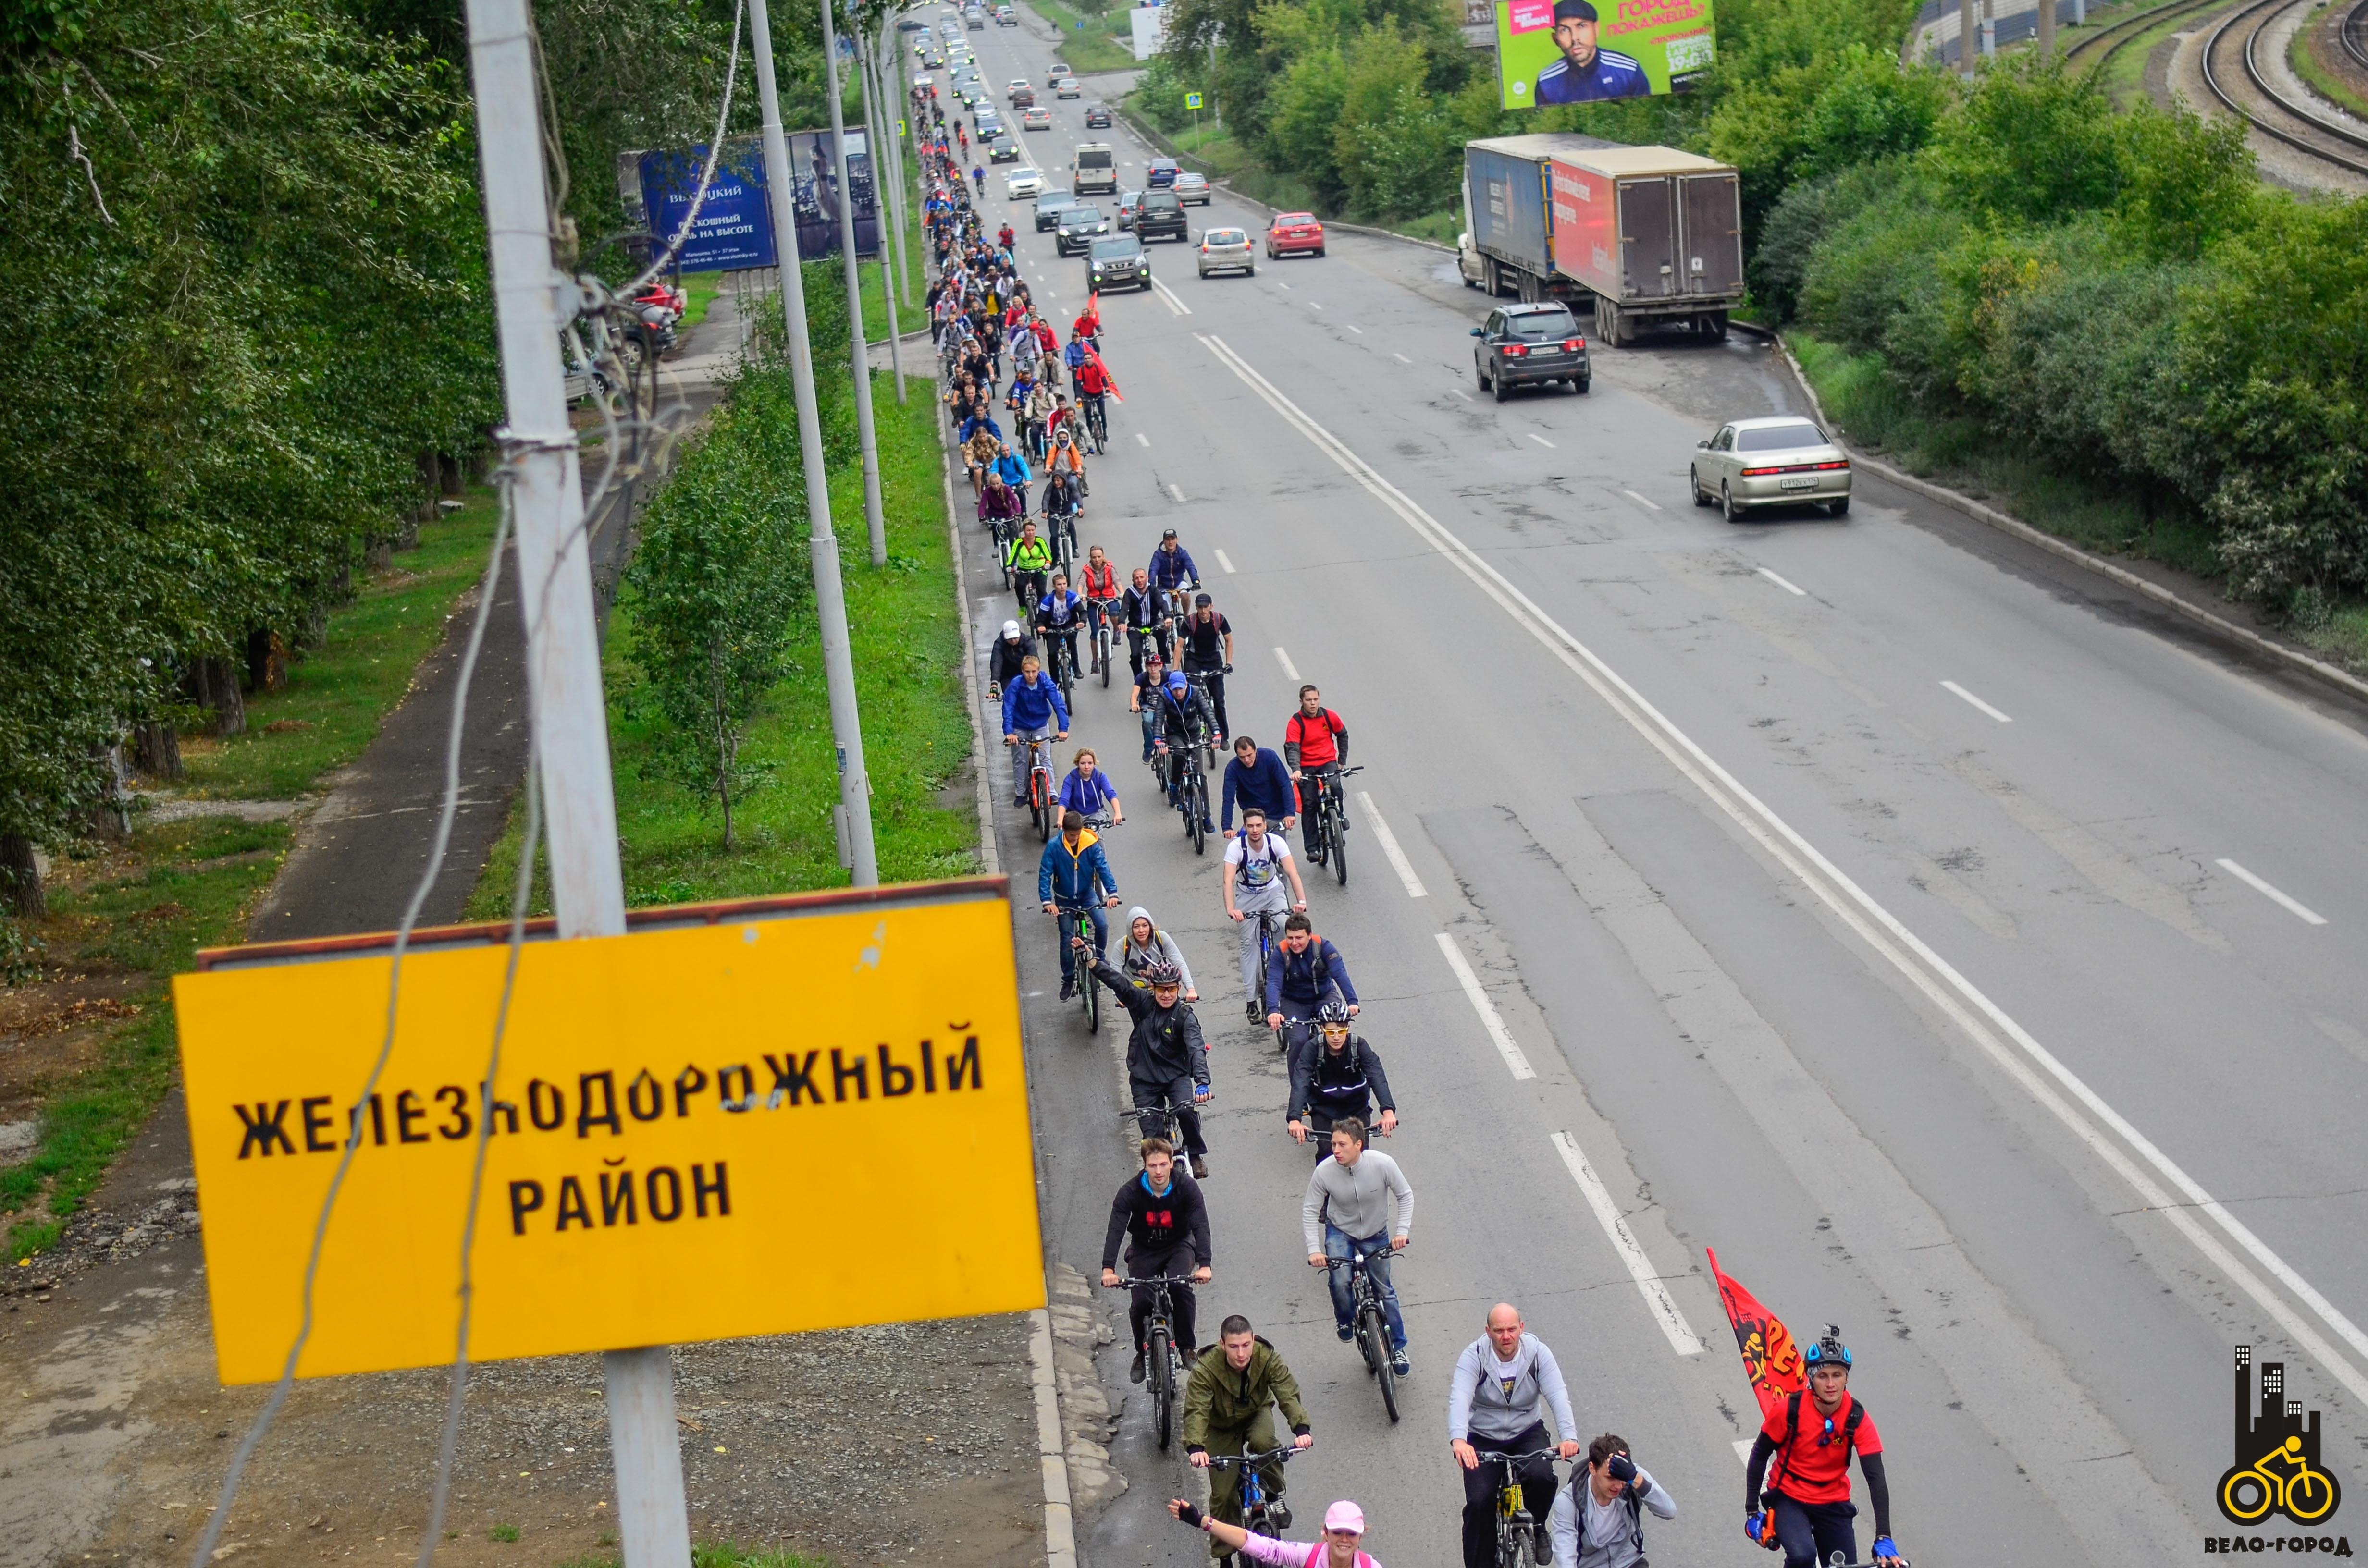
(1090,42)
(93,1035)
(2313,55)
(905,626)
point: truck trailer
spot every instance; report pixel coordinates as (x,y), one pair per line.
(1654,236)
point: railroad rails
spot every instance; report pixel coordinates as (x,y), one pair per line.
(2231,68)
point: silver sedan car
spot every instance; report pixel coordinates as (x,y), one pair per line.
(1228,250)
(1781,461)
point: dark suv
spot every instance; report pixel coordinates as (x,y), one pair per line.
(1078,228)
(1098,117)
(1048,207)
(1526,344)
(1160,217)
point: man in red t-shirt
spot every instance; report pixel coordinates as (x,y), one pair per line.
(1806,1507)
(1315,747)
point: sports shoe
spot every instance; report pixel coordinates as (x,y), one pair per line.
(1199,1168)
(1277,1514)
(1135,1368)
(1398,1366)
(1346,1331)
(1069,991)
(1256,1014)
(1542,1544)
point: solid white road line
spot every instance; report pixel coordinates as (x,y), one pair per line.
(1642,501)
(1976,701)
(1489,1020)
(1389,842)
(1175,305)
(1176,492)
(1223,559)
(1290,670)
(2030,1064)
(1400,358)
(1141,439)
(1540,440)
(1782,583)
(2292,907)
(1682,1339)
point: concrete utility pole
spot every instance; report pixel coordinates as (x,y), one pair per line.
(571,720)
(1965,36)
(2047,29)
(866,437)
(878,55)
(830,596)
(883,201)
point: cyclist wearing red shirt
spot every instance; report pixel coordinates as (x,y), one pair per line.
(1315,747)
(1093,384)
(1101,592)
(1806,1507)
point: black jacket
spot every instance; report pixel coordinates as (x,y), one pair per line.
(1157,1224)
(1165,1044)
(1338,1083)
(1003,664)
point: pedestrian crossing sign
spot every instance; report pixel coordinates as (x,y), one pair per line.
(1191,100)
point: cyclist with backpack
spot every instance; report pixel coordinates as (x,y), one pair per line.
(1166,1062)
(1344,1527)
(1805,1508)
(1303,972)
(1598,1521)
(1337,1083)
(1262,881)
(1162,1216)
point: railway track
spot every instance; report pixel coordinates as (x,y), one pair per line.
(2231,68)
(2354,36)
(2099,50)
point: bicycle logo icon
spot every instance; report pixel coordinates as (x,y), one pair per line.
(2287,1477)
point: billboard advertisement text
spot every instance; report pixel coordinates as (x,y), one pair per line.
(1575,51)
(735,228)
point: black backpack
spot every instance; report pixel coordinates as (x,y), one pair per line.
(1792,1430)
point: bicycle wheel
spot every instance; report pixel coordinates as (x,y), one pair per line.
(1369,1344)
(1377,1333)
(1092,990)
(1040,804)
(1512,1548)
(1194,808)
(1163,1383)
(2311,1495)
(1336,843)
(1103,649)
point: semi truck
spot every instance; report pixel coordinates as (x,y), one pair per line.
(1651,235)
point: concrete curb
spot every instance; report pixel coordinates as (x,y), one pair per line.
(1052,1456)
(2295,659)
(990,859)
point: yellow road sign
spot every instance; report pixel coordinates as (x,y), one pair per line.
(757,1119)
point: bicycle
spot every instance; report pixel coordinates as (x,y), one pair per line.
(1516,1536)
(1160,1361)
(1189,790)
(1056,650)
(1079,921)
(1324,810)
(1105,642)
(1372,1321)
(1261,1514)
(1097,426)
(1041,792)
(2307,1497)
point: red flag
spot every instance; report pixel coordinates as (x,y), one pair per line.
(1770,1360)
(1108,379)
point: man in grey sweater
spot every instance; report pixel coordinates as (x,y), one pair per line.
(1598,1519)
(1501,1380)
(1346,1213)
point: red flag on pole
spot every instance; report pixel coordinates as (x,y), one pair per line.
(1770,1360)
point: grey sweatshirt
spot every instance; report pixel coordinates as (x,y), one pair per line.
(1161,945)
(1613,1536)
(1492,1400)
(1356,1198)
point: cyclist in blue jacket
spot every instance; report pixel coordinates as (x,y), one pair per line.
(1032,710)
(1303,972)
(1259,778)
(1171,565)
(1074,877)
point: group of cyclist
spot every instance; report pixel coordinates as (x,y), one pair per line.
(1358,1203)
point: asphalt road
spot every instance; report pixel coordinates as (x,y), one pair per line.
(1862,897)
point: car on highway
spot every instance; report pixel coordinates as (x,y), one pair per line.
(1098,117)
(1228,250)
(1093,168)
(1161,216)
(1191,187)
(1775,461)
(1117,262)
(1130,202)
(1053,77)
(1159,172)
(1068,87)
(1035,117)
(935,60)
(923,80)
(1077,227)
(1023,97)
(1023,181)
(1006,17)
(1017,86)
(1524,345)
(975,21)
(1002,149)
(1050,205)
(1293,232)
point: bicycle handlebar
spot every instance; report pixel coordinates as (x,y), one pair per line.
(1164,1280)
(1233,1461)
(1493,1454)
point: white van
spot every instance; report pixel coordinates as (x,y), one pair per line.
(1094,169)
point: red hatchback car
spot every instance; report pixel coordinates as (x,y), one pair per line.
(1293,232)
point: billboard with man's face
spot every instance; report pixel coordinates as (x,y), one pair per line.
(1581,51)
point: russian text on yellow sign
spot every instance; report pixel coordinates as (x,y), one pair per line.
(761,1126)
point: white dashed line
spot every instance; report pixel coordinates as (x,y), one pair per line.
(1540,440)
(1168,296)
(1976,701)
(1400,358)
(1641,501)
(2302,912)
(1141,439)
(1352,326)
(1314,305)
(1460,393)
(1682,1338)
(1176,495)
(1390,851)
(1495,1025)
(1226,561)
(1290,670)
(1780,583)
(1743,1448)
(1284,286)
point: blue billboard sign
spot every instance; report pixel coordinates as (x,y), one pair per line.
(735,228)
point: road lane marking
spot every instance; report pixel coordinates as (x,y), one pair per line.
(1400,358)
(1682,1339)
(1460,393)
(1281,285)
(2301,911)
(2037,1070)
(1976,701)
(1780,582)
(1223,559)
(1290,670)
(1641,501)
(1141,439)
(1498,1032)
(1540,440)
(1389,842)
(1352,326)
(1313,305)
(1177,493)
(1175,305)
(1743,1448)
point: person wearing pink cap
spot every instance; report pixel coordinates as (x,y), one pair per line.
(1344,1527)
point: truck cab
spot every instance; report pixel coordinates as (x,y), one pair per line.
(1468,261)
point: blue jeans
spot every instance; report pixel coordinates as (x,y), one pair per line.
(1020,761)
(1340,1244)
(1150,729)
(1064,923)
